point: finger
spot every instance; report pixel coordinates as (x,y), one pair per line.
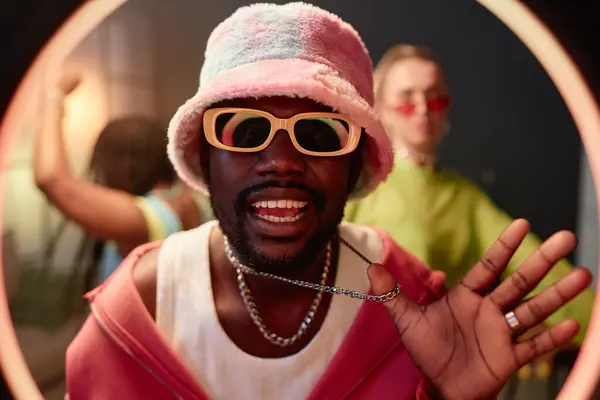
(546,342)
(540,307)
(512,290)
(531,332)
(487,270)
(402,310)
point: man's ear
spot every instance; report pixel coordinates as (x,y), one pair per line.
(356,163)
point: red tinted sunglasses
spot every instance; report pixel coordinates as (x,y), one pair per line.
(440,103)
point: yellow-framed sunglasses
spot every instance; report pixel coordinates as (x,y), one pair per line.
(246,130)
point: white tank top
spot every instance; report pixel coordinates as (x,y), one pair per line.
(186,316)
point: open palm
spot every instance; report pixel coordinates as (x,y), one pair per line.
(462,342)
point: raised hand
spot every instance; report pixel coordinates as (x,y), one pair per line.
(467,343)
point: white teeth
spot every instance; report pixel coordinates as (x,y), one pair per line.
(272,218)
(279,204)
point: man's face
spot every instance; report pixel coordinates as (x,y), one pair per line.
(279,207)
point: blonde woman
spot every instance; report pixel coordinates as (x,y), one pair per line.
(435,213)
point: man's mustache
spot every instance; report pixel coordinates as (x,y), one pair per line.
(241,200)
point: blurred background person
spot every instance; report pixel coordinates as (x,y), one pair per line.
(133,196)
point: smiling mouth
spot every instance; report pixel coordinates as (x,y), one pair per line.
(280,211)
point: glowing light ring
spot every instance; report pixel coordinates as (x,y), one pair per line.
(582,381)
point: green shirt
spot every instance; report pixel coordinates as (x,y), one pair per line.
(449,223)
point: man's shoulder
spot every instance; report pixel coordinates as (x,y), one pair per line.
(145,270)
(364,239)
(378,246)
(152,256)
(144,276)
(375,243)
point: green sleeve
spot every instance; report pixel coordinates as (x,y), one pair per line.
(351,210)
(489,223)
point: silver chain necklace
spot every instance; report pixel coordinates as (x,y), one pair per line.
(321,287)
(251,305)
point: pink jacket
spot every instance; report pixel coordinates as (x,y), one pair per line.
(120,354)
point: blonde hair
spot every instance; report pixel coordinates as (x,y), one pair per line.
(397,53)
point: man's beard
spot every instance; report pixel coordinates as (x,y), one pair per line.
(287,264)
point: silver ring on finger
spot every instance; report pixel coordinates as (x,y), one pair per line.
(513,323)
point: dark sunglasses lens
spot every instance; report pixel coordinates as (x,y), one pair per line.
(322,135)
(242,130)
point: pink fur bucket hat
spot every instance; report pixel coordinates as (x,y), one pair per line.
(294,50)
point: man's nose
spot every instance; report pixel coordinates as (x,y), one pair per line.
(281,157)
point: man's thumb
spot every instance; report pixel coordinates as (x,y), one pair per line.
(381,279)
(383,282)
